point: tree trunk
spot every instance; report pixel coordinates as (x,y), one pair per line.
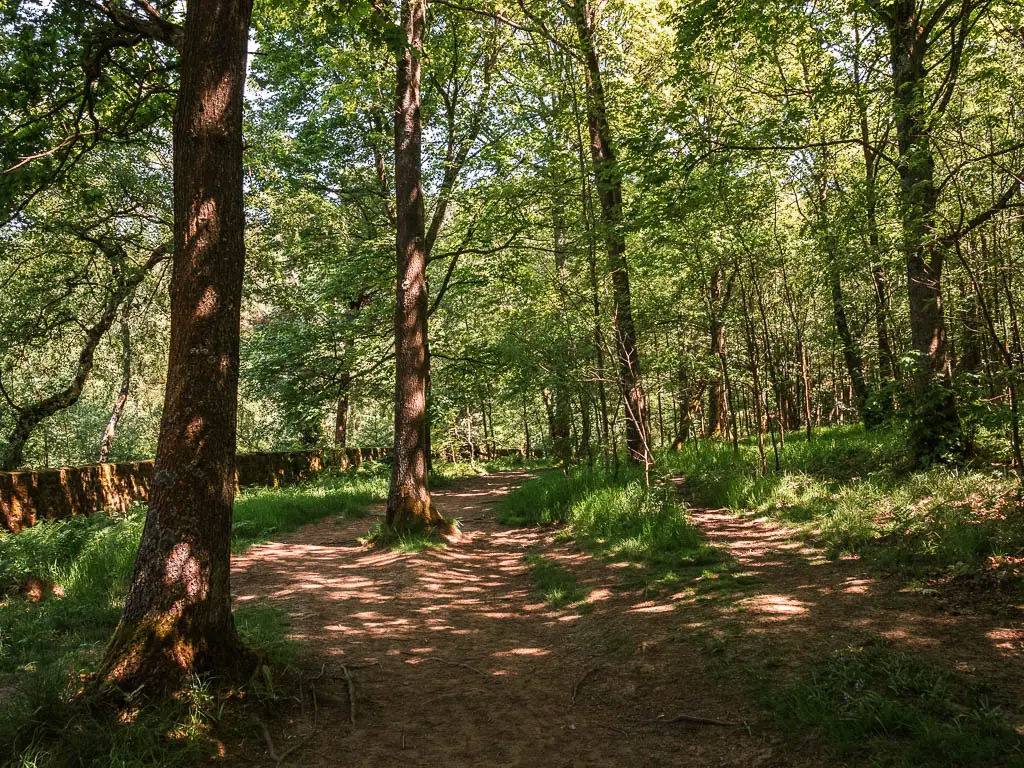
(341,420)
(718,410)
(177,618)
(409,505)
(936,431)
(107,441)
(609,187)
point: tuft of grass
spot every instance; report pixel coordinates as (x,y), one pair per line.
(618,518)
(407,541)
(47,647)
(893,709)
(554,584)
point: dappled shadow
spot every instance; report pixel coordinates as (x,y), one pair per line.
(456,661)
(800,605)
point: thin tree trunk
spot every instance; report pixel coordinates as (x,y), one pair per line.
(29,417)
(177,618)
(107,441)
(609,187)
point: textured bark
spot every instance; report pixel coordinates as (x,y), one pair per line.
(177,619)
(937,426)
(107,441)
(609,187)
(409,506)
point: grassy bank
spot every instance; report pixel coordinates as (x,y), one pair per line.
(617,518)
(46,647)
(855,492)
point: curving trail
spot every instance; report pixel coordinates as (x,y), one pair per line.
(455,662)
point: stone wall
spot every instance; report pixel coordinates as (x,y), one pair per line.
(28,497)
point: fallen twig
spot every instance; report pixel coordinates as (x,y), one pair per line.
(695,720)
(449,663)
(351,694)
(581,680)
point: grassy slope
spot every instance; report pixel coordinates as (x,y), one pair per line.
(853,491)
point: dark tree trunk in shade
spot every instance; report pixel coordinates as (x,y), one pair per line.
(341,420)
(409,505)
(107,441)
(718,407)
(937,429)
(608,179)
(177,619)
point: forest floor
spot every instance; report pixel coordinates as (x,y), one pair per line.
(450,657)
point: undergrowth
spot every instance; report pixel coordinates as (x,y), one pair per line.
(616,517)
(47,648)
(555,585)
(854,491)
(886,708)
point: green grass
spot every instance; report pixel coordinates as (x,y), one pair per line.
(855,493)
(45,647)
(264,512)
(555,585)
(885,708)
(617,518)
(405,541)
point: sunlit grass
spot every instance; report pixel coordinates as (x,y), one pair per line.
(854,492)
(46,646)
(555,585)
(618,518)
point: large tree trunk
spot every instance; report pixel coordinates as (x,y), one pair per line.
(177,618)
(609,187)
(107,441)
(937,426)
(409,505)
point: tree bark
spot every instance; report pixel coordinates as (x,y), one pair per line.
(718,407)
(409,505)
(609,187)
(937,431)
(341,420)
(177,619)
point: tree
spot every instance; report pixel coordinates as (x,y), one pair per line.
(409,506)
(177,619)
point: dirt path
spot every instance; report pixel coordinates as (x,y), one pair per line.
(455,661)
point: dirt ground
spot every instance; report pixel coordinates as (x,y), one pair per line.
(454,661)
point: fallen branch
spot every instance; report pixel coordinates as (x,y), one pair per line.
(581,680)
(351,694)
(695,720)
(449,663)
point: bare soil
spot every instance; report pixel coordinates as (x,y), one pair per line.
(454,660)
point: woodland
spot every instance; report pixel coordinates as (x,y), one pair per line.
(691,328)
